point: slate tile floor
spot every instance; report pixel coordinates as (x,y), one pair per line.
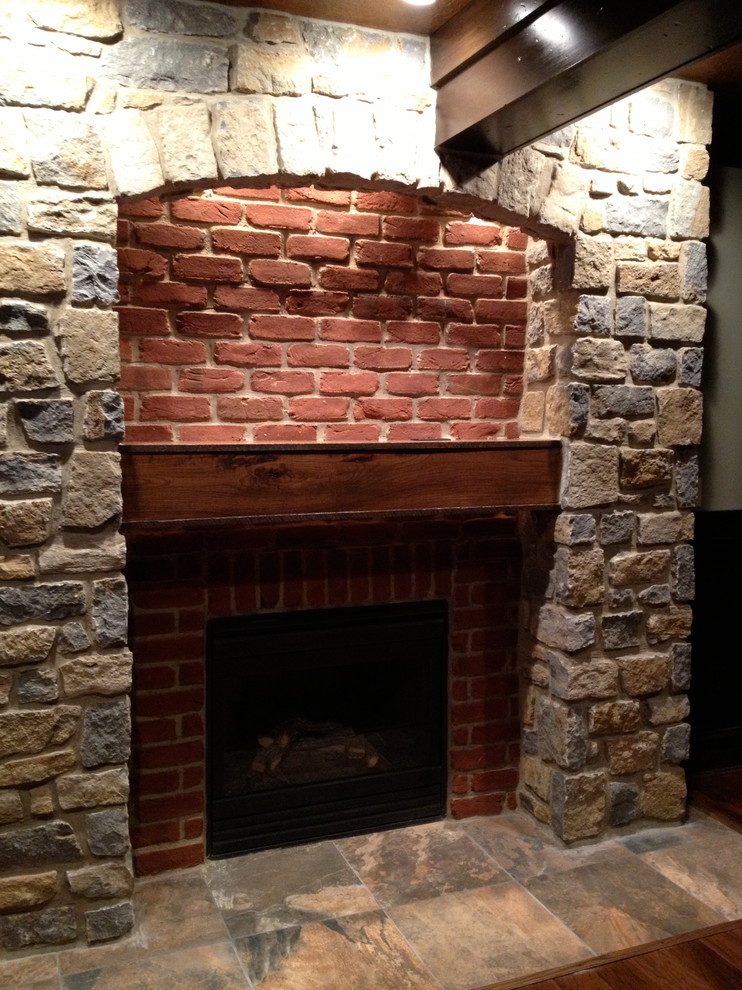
(445,906)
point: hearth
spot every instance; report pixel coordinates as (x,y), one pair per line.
(325,722)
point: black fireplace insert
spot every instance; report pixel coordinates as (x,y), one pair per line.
(325,722)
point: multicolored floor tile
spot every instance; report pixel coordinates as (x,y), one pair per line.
(213,967)
(417,863)
(362,952)
(483,936)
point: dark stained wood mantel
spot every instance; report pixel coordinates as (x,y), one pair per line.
(172,484)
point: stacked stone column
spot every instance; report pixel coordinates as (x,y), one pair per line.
(614,367)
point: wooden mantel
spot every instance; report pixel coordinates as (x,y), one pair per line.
(193,484)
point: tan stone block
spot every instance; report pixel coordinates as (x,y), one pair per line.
(593,267)
(25,523)
(540,364)
(668,709)
(565,411)
(558,317)
(634,753)
(244,139)
(644,674)
(89,345)
(273,29)
(532,410)
(11,807)
(133,154)
(16,567)
(32,731)
(25,367)
(580,804)
(185,142)
(37,269)
(82,553)
(23,893)
(655,280)
(614,717)
(577,680)
(6,683)
(88,790)
(591,475)
(695,105)
(87,18)
(579,577)
(34,76)
(680,416)
(593,220)
(24,646)
(536,775)
(564,204)
(72,214)
(14,158)
(683,324)
(108,674)
(101,882)
(663,251)
(642,432)
(596,359)
(664,796)
(35,769)
(41,802)
(694,162)
(639,568)
(272,71)
(92,494)
(645,468)
(670,622)
(66,150)
(665,527)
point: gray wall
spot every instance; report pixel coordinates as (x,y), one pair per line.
(722,443)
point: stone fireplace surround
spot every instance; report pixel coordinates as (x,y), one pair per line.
(612,368)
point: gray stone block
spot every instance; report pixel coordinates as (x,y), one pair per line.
(655,594)
(694,271)
(66,150)
(45,601)
(11,208)
(565,630)
(55,926)
(594,316)
(73,638)
(47,421)
(29,474)
(110,612)
(621,630)
(175,17)
(104,416)
(54,842)
(627,401)
(631,318)
(562,735)
(686,480)
(642,215)
(36,686)
(683,573)
(574,528)
(654,365)
(691,366)
(175,66)
(22,318)
(624,803)
(616,527)
(94,274)
(108,832)
(109,922)
(680,655)
(106,734)
(676,743)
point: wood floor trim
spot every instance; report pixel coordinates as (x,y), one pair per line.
(620,955)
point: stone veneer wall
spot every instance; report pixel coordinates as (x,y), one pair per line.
(330,316)
(97,108)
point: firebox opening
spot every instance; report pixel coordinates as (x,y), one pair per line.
(325,722)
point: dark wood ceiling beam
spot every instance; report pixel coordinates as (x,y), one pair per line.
(570,60)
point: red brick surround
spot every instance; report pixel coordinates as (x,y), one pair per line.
(315,315)
(180,580)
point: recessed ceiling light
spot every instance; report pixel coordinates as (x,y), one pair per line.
(420,3)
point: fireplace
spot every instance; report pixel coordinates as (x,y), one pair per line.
(325,722)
